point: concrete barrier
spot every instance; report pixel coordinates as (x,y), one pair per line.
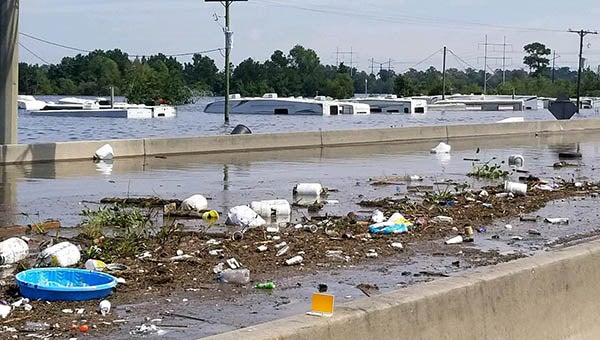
(549,296)
(64,151)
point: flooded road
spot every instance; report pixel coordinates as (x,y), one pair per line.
(34,192)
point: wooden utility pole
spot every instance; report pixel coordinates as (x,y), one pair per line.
(582,33)
(444,75)
(228,35)
(9,70)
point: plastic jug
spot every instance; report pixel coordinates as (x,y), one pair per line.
(13,250)
(269,208)
(63,254)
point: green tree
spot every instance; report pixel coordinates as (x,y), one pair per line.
(403,86)
(340,87)
(536,57)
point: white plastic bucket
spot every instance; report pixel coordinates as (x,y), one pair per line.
(271,208)
(516,161)
(13,250)
(63,254)
(308,189)
(104,152)
(515,187)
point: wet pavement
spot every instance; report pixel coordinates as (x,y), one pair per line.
(61,190)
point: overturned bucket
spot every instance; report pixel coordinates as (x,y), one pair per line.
(515,188)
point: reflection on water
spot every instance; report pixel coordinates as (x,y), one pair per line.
(56,190)
(192,121)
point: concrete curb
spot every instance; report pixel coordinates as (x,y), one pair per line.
(549,296)
(66,151)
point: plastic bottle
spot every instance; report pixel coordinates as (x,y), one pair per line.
(265,285)
(63,254)
(271,208)
(240,276)
(13,250)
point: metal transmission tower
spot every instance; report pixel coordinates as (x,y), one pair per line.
(582,33)
(228,35)
(9,70)
(495,51)
(337,58)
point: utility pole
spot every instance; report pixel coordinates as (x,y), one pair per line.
(582,33)
(228,35)
(553,64)
(444,75)
(9,70)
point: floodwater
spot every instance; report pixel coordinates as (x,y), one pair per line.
(192,121)
(33,192)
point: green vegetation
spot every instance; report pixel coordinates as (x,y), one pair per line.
(488,171)
(132,231)
(299,73)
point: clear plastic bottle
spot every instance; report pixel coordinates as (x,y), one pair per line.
(240,276)
(13,250)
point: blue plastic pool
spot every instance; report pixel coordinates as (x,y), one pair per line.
(64,284)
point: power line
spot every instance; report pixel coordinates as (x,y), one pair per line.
(407,19)
(55,44)
(424,60)
(33,53)
(132,55)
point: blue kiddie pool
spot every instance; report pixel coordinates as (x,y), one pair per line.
(64,284)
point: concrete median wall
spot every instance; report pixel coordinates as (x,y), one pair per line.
(64,151)
(546,297)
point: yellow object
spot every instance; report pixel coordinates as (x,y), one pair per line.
(322,304)
(210,215)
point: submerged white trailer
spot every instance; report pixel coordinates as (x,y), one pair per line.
(271,104)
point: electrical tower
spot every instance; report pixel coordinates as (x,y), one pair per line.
(337,58)
(497,52)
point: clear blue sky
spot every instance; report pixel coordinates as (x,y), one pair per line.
(403,31)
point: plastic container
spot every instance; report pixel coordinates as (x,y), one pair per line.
(241,276)
(64,284)
(271,208)
(243,215)
(95,265)
(194,202)
(104,152)
(516,188)
(63,254)
(13,250)
(308,189)
(516,161)
(455,240)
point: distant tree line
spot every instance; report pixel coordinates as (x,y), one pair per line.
(299,73)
